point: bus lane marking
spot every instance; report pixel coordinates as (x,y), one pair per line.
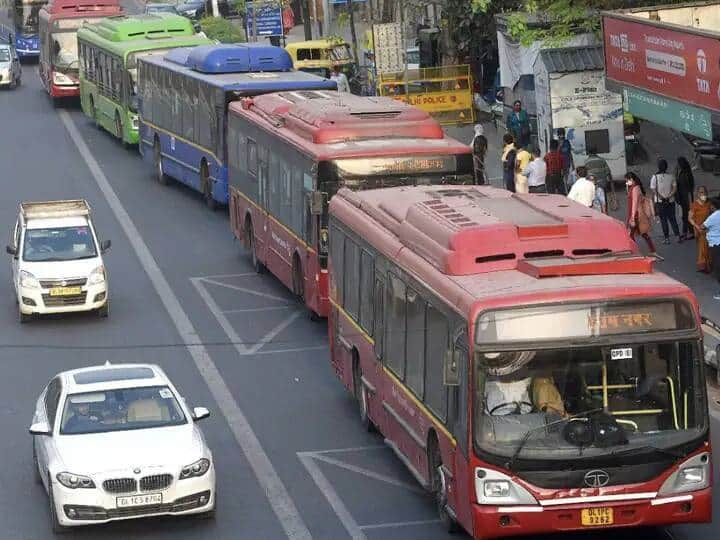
(310,460)
(267,476)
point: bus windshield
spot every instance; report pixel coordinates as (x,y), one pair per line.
(26,17)
(637,391)
(64,42)
(380,172)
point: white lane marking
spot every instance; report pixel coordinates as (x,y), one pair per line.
(274,332)
(244,289)
(296,349)
(225,276)
(256,310)
(268,478)
(333,499)
(217,313)
(401,524)
(370,474)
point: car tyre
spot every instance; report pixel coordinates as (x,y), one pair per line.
(57,528)
(104,310)
(36,468)
(23,317)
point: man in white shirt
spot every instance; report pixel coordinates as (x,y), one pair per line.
(583,190)
(340,79)
(536,171)
(664,188)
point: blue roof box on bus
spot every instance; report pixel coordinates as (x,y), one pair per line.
(239,58)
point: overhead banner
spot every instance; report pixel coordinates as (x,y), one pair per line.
(672,63)
(668,112)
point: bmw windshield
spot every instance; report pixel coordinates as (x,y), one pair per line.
(635,388)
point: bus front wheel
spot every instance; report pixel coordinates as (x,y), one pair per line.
(298,280)
(93,111)
(438,485)
(360,392)
(258,266)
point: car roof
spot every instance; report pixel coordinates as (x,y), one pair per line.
(112,377)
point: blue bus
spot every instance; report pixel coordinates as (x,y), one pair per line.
(19,23)
(183,99)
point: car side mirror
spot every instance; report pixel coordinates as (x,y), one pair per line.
(11,250)
(199,413)
(40,428)
(451,372)
(105,245)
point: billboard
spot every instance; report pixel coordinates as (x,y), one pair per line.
(683,65)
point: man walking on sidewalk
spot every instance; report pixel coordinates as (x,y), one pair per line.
(536,172)
(712,226)
(664,188)
(553,161)
(508,162)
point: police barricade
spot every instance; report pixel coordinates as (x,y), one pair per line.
(445,92)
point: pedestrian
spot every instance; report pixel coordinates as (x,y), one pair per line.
(598,168)
(699,212)
(340,79)
(711,226)
(566,152)
(479,149)
(600,201)
(640,211)
(518,123)
(583,190)
(664,189)
(685,188)
(553,160)
(508,161)
(522,160)
(536,173)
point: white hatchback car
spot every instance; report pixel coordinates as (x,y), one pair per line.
(117,442)
(57,263)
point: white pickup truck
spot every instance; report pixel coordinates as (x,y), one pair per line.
(57,263)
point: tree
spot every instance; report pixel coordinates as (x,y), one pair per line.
(554,22)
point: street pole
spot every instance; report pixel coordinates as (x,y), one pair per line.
(254,21)
(215,9)
(306,19)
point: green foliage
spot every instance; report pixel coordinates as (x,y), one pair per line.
(343,19)
(335,40)
(222,30)
(471,25)
(239,6)
(554,22)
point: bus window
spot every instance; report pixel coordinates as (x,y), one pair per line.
(436,345)
(367,274)
(415,345)
(395,302)
(379,328)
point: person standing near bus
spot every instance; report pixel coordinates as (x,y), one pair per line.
(340,79)
(508,162)
(685,188)
(553,161)
(711,226)
(664,189)
(583,190)
(479,146)
(536,173)
(518,123)
(523,159)
(566,152)
(640,211)
(699,212)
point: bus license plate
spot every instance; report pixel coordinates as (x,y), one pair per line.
(65,291)
(139,500)
(595,517)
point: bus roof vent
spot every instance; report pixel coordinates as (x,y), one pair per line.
(611,263)
(238,58)
(60,6)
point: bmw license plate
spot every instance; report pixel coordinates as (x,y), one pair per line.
(596,517)
(139,500)
(65,291)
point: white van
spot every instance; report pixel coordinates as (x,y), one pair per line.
(57,263)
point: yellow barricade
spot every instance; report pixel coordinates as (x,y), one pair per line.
(445,92)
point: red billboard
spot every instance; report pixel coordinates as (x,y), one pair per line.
(674,63)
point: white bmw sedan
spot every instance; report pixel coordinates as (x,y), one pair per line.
(117,442)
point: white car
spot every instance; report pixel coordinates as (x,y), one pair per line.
(117,442)
(57,263)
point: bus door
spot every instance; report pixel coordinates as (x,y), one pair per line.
(460,398)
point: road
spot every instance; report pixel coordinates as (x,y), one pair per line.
(292,458)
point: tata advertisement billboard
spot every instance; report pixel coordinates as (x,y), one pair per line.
(663,58)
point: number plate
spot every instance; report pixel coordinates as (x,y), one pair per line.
(139,500)
(596,517)
(65,291)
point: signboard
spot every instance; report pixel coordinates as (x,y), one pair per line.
(668,112)
(388,43)
(672,63)
(580,99)
(269,19)
(434,102)
(344,2)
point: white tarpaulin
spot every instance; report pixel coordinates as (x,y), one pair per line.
(516,60)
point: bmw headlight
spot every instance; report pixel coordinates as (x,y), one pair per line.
(75,481)
(28,281)
(200,467)
(97,276)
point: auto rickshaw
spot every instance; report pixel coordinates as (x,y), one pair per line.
(320,56)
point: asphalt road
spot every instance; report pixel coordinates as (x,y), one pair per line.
(292,458)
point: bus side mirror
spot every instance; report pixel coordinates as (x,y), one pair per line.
(451,374)
(316,203)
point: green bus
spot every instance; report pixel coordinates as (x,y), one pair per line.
(108,53)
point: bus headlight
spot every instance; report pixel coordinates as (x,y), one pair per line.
(692,475)
(496,488)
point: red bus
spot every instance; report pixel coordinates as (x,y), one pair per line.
(289,153)
(521,358)
(59,22)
